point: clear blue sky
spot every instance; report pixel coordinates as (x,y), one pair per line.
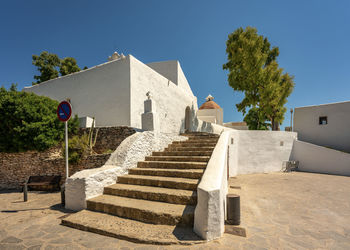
(313,37)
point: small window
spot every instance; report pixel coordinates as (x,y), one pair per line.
(323,120)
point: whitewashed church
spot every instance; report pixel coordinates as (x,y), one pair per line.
(114,92)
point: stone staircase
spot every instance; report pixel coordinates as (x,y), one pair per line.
(155,202)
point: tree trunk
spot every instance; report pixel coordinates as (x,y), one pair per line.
(275,126)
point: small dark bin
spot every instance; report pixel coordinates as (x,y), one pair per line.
(233,209)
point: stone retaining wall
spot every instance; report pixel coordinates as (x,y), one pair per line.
(15,168)
(109,137)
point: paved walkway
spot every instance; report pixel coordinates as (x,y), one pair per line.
(279,211)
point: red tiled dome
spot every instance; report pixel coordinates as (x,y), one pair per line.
(210,105)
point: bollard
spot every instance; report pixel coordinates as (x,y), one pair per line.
(233,209)
(63,196)
(25,192)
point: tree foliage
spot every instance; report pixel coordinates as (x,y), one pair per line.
(253,69)
(49,65)
(29,122)
(68,66)
(256,120)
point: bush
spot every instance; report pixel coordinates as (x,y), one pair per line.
(29,122)
(77,148)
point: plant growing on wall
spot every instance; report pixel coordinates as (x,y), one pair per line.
(77,148)
(29,121)
(81,146)
(253,70)
(91,137)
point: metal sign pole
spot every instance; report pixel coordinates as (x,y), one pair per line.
(66,128)
(64,112)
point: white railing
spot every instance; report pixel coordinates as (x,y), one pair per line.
(209,217)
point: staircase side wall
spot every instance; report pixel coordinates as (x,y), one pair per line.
(317,159)
(90,183)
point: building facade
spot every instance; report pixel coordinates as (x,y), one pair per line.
(114,92)
(324,125)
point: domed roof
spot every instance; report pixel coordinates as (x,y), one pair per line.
(210,104)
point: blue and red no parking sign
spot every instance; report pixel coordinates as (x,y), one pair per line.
(64,111)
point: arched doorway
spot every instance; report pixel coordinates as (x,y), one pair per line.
(187,119)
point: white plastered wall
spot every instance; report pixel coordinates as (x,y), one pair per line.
(102,92)
(209,115)
(313,158)
(170,100)
(172,71)
(255,151)
(336,134)
(263,151)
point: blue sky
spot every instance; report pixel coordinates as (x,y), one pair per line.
(313,38)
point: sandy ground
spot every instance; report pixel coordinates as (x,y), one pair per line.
(279,211)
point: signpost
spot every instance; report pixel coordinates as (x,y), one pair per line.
(64,112)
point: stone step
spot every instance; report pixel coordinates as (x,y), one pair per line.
(131,230)
(178,158)
(180,148)
(160,181)
(191,144)
(181,173)
(199,134)
(143,210)
(171,164)
(195,141)
(183,153)
(169,195)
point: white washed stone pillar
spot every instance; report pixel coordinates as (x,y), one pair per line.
(149,117)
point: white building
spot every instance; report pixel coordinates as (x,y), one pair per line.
(114,92)
(325,125)
(211,112)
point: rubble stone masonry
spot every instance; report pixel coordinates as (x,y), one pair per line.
(15,168)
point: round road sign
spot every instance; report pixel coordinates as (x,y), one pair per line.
(64,111)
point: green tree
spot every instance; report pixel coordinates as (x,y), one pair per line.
(29,121)
(256,120)
(273,96)
(254,71)
(46,64)
(68,66)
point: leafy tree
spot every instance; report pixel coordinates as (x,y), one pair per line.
(273,96)
(47,64)
(29,122)
(256,120)
(68,66)
(253,69)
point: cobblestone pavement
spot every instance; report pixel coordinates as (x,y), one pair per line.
(279,211)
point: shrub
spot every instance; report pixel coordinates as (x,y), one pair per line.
(77,148)
(29,121)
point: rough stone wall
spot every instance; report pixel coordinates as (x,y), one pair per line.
(15,168)
(109,137)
